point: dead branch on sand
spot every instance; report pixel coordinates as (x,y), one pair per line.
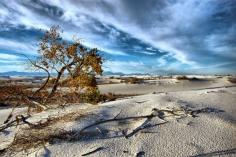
(37,135)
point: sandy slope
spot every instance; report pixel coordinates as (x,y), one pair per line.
(204,124)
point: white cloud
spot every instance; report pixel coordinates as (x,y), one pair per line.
(125,66)
(112,51)
(178,54)
(161,61)
(12,67)
(4,56)
(146,52)
(74,12)
(180,28)
(150,49)
(20,47)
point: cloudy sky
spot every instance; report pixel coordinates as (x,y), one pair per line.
(134,36)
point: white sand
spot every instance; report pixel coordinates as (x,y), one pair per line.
(163,85)
(211,133)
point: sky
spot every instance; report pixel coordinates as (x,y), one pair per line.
(134,36)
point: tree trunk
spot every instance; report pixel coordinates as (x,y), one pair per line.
(56,83)
(44,85)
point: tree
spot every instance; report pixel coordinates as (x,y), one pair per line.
(76,63)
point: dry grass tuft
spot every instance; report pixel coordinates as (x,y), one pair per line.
(38,135)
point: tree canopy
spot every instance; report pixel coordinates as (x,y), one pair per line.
(73,63)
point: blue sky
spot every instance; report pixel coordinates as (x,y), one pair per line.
(134,36)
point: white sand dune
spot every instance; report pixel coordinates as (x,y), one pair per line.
(188,121)
(163,85)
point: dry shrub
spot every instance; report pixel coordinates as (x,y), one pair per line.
(51,82)
(5,82)
(109,97)
(13,95)
(93,96)
(189,79)
(182,77)
(132,80)
(112,97)
(20,95)
(96,97)
(232,79)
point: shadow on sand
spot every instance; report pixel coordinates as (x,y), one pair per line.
(217,153)
(101,129)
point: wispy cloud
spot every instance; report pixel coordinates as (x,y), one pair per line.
(126,66)
(4,56)
(160,34)
(18,47)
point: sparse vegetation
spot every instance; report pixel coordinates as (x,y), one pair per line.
(232,79)
(38,135)
(182,77)
(113,97)
(75,67)
(187,78)
(18,95)
(132,80)
(94,98)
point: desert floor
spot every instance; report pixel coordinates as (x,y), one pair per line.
(169,117)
